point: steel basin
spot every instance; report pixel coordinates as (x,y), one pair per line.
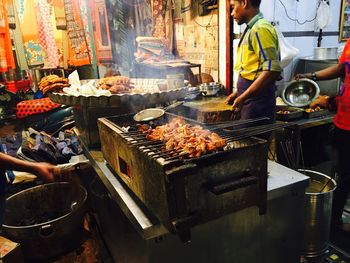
(63,203)
(318,209)
(300,93)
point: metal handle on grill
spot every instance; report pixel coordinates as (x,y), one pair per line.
(233,185)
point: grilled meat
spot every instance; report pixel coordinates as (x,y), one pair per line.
(181,138)
(116,84)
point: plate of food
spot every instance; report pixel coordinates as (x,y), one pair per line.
(315,112)
(287,113)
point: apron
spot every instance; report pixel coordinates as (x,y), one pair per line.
(261,105)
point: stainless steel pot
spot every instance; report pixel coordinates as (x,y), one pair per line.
(318,209)
(63,204)
(322,53)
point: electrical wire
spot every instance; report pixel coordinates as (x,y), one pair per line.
(206,26)
(296,20)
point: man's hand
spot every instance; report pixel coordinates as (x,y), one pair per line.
(231,98)
(300,76)
(237,104)
(45,171)
(321,101)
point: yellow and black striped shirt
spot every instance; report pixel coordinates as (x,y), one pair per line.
(258,49)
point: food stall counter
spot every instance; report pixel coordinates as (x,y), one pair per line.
(229,235)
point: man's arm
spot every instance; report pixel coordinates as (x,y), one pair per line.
(45,171)
(332,72)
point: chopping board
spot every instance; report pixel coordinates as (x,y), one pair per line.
(210,111)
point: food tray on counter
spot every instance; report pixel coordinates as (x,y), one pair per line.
(116,100)
(316,114)
(287,113)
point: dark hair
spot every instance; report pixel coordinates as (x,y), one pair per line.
(255,3)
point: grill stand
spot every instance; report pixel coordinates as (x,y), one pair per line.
(185,193)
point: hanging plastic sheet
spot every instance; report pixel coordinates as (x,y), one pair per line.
(288,52)
(324,14)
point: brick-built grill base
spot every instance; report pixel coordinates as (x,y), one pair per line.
(185,192)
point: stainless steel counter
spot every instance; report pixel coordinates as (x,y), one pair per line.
(312,122)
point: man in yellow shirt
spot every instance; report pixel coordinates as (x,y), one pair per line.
(258,63)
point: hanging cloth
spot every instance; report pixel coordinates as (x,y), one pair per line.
(169,32)
(101,31)
(17,37)
(158,14)
(6,55)
(29,28)
(61,31)
(88,28)
(60,15)
(46,33)
(141,16)
(163,22)
(78,48)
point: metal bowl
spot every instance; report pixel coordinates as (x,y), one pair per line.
(210,89)
(300,93)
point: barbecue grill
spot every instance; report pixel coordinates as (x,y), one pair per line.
(184,192)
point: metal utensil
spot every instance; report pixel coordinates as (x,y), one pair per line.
(210,89)
(300,93)
(154,113)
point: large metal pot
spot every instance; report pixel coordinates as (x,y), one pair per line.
(318,209)
(322,53)
(62,205)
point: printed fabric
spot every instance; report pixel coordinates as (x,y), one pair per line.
(162,11)
(78,48)
(30,107)
(258,49)
(46,33)
(342,118)
(6,56)
(29,28)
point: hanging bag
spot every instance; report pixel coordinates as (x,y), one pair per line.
(288,52)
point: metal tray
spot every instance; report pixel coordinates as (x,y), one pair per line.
(295,113)
(316,114)
(116,100)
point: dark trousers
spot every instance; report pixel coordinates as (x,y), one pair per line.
(341,144)
(260,105)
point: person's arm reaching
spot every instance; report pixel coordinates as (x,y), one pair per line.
(332,72)
(44,171)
